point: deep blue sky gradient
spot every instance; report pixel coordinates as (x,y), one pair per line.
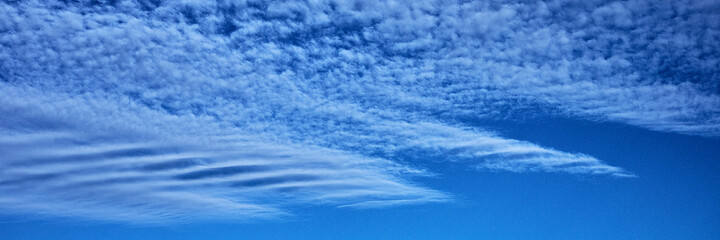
(674,197)
(360,119)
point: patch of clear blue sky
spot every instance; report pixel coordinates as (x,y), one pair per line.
(674,197)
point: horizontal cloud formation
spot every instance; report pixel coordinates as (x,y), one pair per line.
(102,158)
(152,111)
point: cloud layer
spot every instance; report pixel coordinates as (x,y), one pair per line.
(74,156)
(153,110)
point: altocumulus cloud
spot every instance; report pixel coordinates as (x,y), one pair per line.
(162,111)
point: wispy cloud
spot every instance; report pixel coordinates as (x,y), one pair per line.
(188,109)
(153,167)
(106,159)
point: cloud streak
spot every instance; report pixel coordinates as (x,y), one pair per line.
(154,170)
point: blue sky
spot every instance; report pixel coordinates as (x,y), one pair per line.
(419,119)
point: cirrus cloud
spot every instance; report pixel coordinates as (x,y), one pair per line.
(157,110)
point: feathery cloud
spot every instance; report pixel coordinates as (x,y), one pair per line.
(243,108)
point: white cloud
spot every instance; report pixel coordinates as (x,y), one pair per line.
(362,91)
(94,159)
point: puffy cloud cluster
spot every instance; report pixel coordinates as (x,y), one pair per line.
(241,108)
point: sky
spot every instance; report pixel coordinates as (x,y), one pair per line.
(152,119)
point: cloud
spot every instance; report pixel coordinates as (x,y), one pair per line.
(252,107)
(72,156)
(619,61)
